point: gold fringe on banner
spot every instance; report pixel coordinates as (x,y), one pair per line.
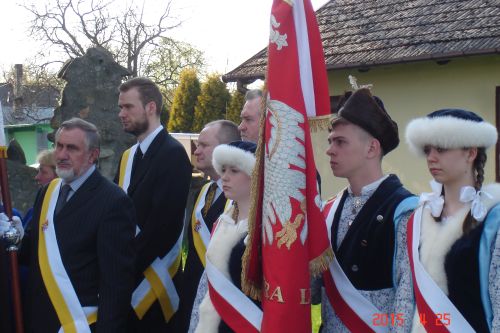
(321,123)
(251,288)
(3,152)
(320,264)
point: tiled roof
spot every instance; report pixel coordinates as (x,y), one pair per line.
(359,34)
(37,106)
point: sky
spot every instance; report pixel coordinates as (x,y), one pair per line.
(227,31)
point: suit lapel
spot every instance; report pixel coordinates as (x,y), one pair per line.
(146,161)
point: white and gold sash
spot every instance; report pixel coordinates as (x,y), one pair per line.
(199,228)
(126,167)
(158,284)
(73,318)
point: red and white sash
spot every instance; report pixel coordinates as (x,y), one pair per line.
(436,312)
(234,307)
(231,304)
(355,311)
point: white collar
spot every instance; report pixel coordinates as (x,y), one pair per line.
(370,188)
(148,139)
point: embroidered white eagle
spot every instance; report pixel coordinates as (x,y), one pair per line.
(275,36)
(284,151)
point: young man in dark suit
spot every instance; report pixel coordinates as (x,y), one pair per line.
(156,174)
(80,244)
(209,205)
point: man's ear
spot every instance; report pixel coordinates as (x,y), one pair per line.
(94,155)
(374,148)
(151,108)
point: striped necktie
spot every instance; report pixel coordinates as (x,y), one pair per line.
(63,197)
(209,199)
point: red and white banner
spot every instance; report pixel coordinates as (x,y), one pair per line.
(288,238)
(436,312)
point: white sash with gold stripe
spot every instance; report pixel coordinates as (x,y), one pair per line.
(158,284)
(126,167)
(199,228)
(72,316)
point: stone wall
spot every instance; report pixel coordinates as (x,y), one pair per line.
(91,93)
(23,187)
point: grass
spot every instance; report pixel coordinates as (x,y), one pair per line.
(316,317)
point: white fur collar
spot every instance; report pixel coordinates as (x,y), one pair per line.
(436,239)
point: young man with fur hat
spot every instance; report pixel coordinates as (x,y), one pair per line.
(362,220)
(455,233)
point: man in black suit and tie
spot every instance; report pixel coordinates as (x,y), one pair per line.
(80,245)
(156,174)
(209,204)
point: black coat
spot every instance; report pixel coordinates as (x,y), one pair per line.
(367,251)
(159,189)
(95,231)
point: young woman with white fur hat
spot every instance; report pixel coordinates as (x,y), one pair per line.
(453,238)
(220,305)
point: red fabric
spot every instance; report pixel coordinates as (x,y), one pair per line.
(424,309)
(287,309)
(229,314)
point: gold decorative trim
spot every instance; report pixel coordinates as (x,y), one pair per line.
(320,264)
(250,288)
(321,123)
(3,152)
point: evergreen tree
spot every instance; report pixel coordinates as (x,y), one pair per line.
(212,102)
(183,105)
(235,106)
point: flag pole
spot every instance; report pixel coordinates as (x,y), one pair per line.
(12,235)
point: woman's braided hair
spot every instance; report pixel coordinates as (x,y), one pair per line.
(479,163)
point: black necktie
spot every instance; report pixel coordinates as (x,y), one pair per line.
(137,159)
(63,197)
(209,198)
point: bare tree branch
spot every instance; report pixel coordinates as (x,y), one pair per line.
(75,25)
